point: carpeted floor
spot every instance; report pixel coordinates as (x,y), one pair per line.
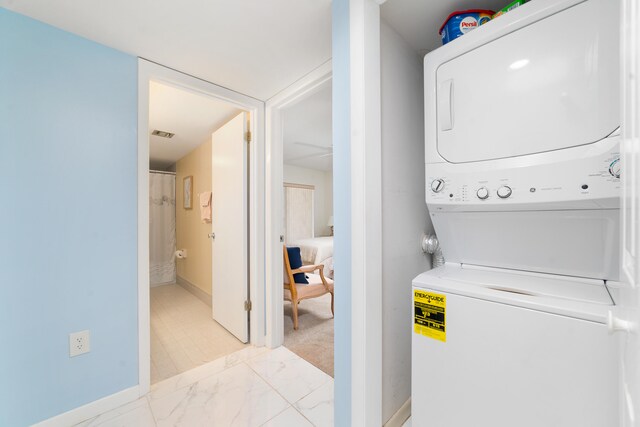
(313,341)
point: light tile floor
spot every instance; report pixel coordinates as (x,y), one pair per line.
(183,334)
(251,387)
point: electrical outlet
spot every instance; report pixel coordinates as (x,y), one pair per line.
(79,343)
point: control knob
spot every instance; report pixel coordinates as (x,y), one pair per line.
(504,191)
(437,185)
(615,168)
(482,193)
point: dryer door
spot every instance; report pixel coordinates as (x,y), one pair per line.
(550,85)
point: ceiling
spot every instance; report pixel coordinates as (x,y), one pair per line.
(192,118)
(254,47)
(307,132)
(418,21)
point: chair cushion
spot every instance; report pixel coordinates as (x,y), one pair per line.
(308,291)
(295,261)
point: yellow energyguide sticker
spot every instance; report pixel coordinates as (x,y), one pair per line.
(429,315)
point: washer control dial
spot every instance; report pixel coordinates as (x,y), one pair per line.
(482,193)
(504,191)
(437,185)
(615,168)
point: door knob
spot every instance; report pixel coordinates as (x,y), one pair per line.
(615,324)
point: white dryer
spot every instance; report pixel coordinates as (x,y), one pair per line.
(522,169)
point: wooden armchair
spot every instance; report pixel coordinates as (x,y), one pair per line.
(296,292)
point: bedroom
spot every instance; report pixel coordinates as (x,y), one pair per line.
(307,224)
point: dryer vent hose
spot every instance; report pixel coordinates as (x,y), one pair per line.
(431,246)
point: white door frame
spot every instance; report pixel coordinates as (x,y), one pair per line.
(366,212)
(301,89)
(625,317)
(147,72)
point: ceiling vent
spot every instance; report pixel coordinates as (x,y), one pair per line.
(162,134)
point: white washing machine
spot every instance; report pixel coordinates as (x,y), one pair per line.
(511,349)
(523,188)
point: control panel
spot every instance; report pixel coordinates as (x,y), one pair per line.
(554,180)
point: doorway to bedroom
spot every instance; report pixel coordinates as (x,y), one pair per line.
(307,228)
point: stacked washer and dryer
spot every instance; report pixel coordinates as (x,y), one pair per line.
(522,168)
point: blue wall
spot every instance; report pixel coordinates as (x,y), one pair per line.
(68,117)
(342,209)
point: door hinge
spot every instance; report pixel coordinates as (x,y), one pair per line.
(248,136)
(247,305)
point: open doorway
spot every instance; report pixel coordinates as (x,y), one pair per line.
(307,224)
(196,142)
(149,72)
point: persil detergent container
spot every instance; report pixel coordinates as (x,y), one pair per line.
(461,22)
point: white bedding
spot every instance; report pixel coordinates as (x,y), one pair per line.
(315,250)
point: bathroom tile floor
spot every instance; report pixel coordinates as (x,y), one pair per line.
(183,334)
(250,387)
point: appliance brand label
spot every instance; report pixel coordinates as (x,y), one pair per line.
(467,24)
(429,315)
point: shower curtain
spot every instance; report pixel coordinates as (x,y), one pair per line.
(162,228)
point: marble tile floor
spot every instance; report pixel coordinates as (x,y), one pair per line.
(183,334)
(250,387)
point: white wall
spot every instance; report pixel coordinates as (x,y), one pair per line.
(323,194)
(404,211)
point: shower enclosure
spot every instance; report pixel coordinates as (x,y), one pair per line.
(162,228)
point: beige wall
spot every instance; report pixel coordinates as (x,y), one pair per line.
(191,232)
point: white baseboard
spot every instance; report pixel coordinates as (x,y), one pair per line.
(92,409)
(196,291)
(401,415)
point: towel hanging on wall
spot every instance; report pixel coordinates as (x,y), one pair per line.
(205,206)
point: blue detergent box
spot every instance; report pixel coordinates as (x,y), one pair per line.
(459,23)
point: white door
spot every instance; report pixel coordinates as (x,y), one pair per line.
(627,316)
(229,224)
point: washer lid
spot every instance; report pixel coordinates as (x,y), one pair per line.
(570,296)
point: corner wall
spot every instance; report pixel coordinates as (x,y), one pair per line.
(404,211)
(68,120)
(191,232)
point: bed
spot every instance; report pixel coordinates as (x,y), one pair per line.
(315,250)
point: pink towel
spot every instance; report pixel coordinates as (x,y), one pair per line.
(205,206)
